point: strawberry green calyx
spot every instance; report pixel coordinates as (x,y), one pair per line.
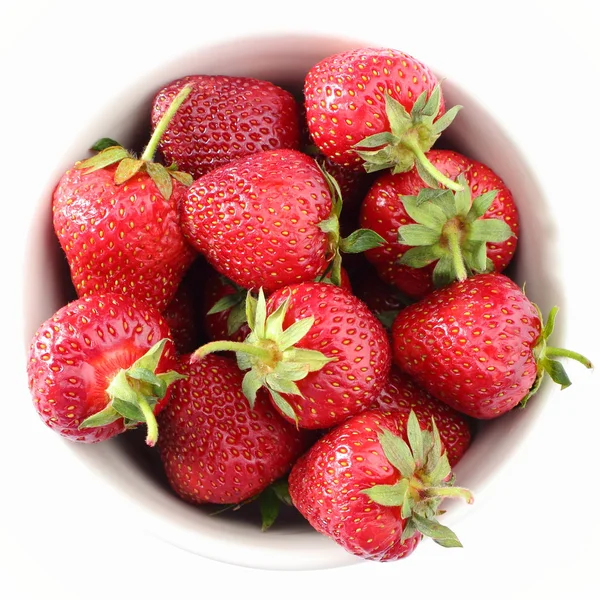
(269,354)
(236,305)
(135,392)
(545,357)
(128,164)
(270,501)
(450,230)
(358,241)
(425,480)
(410,136)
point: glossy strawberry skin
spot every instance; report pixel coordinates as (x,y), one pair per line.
(400,393)
(122,239)
(383,211)
(225,118)
(214,448)
(256,219)
(345,102)
(470,344)
(74,355)
(326,483)
(343,329)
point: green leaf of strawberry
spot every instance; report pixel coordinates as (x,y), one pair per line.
(450,229)
(545,357)
(357,242)
(269,353)
(134,392)
(425,481)
(410,136)
(110,153)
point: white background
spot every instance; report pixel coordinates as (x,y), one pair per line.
(62,534)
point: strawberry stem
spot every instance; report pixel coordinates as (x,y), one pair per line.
(452,234)
(413,145)
(550,351)
(150,420)
(226,345)
(162,125)
(451,491)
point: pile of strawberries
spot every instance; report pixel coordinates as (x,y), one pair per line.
(301,300)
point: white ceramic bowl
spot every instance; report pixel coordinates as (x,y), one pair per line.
(125,463)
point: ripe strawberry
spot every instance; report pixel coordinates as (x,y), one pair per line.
(269,220)
(434,236)
(376,107)
(116,218)
(213,446)
(100,365)
(317,349)
(374,484)
(478,345)
(402,394)
(225,118)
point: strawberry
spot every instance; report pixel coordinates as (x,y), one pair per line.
(213,446)
(374,484)
(402,394)
(435,236)
(117,220)
(269,220)
(479,346)
(376,107)
(100,365)
(223,119)
(317,349)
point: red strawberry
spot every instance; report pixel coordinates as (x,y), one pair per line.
(436,236)
(225,118)
(100,365)
(116,218)
(269,220)
(376,107)
(317,349)
(374,484)
(402,394)
(213,446)
(478,345)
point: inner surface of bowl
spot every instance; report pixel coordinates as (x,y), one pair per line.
(133,469)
